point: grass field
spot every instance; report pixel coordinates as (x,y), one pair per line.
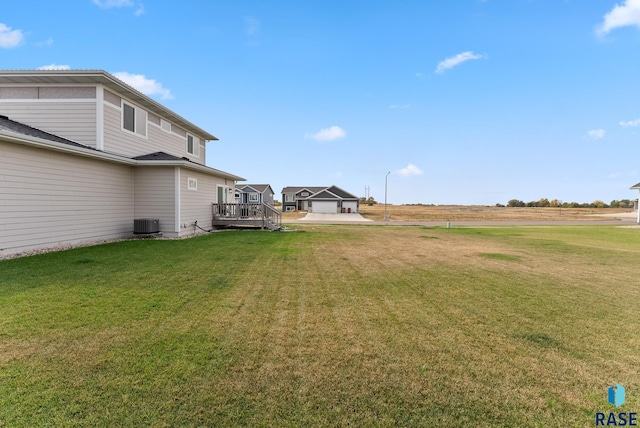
(332,325)
(483,213)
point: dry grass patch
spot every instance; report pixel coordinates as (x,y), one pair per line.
(482,213)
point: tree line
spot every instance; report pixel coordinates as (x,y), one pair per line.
(555,203)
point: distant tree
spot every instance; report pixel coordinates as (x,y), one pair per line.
(515,203)
(532,204)
(499,205)
(543,202)
(555,203)
(598,204)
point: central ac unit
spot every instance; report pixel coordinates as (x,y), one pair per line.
(146,225)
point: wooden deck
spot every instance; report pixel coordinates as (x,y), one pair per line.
(262,216)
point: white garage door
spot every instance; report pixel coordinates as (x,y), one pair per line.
(324,207)
(352,205)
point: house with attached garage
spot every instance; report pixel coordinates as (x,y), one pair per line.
(86,158)
(327,200)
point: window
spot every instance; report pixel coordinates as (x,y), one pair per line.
(192,183)
(192,145)
(128,117)
(253,197)
(304,194)
(289,198)
(134,119)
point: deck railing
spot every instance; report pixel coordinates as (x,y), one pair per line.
(236,213)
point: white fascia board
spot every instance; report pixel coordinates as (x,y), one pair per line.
(190,165)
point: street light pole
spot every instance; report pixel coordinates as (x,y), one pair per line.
(385,195)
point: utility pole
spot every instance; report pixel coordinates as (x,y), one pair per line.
(385,195)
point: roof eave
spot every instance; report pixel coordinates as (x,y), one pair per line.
(108,80)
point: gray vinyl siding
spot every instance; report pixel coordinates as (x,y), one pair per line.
(197,204)
(73,120)
(155,195)
(50,199)
(116,140)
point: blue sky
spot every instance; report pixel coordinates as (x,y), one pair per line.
(463,101)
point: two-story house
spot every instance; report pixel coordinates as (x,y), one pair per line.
(82,154)
(254,194)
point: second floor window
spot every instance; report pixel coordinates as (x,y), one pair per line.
(192,145)
(128,118)
(134,119)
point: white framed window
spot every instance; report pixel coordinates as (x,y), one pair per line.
(193,145)
(289,208)
(134,119)
(253,197)
(304,194)
(289,197)
(192,183)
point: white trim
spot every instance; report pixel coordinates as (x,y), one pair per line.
(257,197)
(48,100)
(162,122)
(177,201)
(100,117)
(192,183)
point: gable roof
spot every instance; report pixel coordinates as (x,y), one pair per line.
(325,194)
(78,77)
(260,188)
(340,192)
(637,186)
(311,189)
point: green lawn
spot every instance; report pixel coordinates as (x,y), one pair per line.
(333,325)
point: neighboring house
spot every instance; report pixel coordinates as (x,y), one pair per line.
(635,203)
(82,154)
(328,200)
(254,194)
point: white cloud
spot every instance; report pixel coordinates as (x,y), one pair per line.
(110,4)
(410,170)
(596,134)
(54,67)
(140,10)
(456,60)
(146,86)
(626,14)
(630,123)
(10,38)
(327,134)
(48,42)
